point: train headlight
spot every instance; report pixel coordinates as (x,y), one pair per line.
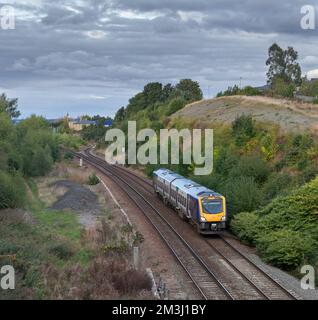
(223,218)
(203,219)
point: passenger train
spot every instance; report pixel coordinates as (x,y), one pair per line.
(201,206)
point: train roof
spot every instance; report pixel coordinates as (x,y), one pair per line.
(190,187)
(167,174)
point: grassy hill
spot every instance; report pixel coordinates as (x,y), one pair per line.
(290,115)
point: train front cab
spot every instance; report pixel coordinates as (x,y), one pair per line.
(212,214)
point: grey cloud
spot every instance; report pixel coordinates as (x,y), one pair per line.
(94,48)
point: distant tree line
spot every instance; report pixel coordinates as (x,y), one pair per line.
(155,94)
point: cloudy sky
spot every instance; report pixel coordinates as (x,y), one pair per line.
(91,56)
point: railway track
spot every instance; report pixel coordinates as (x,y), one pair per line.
(200,274)
(192,255)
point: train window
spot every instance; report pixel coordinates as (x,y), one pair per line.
(212,206)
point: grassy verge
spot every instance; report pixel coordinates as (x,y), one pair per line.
(40,240)
(56,258)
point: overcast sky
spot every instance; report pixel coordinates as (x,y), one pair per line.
(91,56)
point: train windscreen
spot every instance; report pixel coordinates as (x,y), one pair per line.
(212,206)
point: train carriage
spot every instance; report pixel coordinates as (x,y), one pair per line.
(198,204)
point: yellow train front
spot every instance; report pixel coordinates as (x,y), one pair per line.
(201,206)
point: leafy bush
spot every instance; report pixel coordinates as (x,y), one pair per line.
(244,225)
(277,184)
(41,162)
(243,129)
(251,166)
(286,230)
(243,194)
(235,90)
(70,141)
(93,179)
(12,191)
(285,248)
(225,161)
(68,155)
(175,105)
(283,88)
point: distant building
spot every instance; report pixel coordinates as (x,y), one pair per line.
(79,124)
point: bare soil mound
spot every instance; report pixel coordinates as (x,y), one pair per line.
(291,116)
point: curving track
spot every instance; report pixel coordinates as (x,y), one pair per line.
(216,267)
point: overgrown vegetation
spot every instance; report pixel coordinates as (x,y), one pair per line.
(236,91)
(56,258)
(285,232)
(27,149)
(157,101)
(93,179)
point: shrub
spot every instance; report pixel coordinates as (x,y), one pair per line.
(12,191)
(61,250)
(68,155)
(277,184)
(283,89)
(41,162)
(225,162)
(285,248)
(243,194)
(244,225)
(93,179)
(175,105)
(8,248)
(308,174)
(131,281)
(243,129)
(251,166)
(70,141)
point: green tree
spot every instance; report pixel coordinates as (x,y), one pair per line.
(283,64)
(120,115)
(152,93)
(10,106)
(167,92)
(175,105)
(41,161)
(242,194)
(189,90)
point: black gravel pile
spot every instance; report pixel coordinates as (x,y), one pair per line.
(77,198)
